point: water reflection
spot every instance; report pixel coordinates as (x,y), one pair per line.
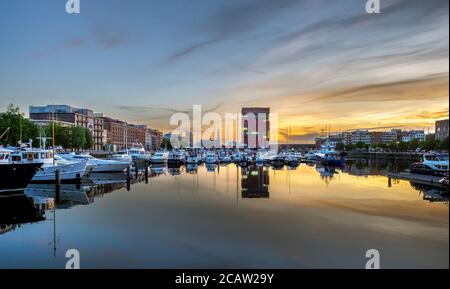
(184,209)
(255,182)
(17,209)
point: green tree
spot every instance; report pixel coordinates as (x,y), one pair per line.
(361,145)
(78,137)
(393,146)
(166,144)
(20,128)
(402,146)
(340,146)
(89,140)
(430,143)
(444,145)
(414,144)
(63,136)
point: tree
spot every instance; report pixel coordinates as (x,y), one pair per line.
(402,146)
(414,144)
(444,145)
(63,136)
(340,146)
(430,144)
(20,128)
(78,137)
(166,144)
(361,145)
(89,140)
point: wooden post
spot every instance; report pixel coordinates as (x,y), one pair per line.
(128,172)
(136,167)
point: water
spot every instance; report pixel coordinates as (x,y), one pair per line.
(229,217)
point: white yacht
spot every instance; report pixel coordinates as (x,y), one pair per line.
(224,157)
(159,157)
(265,156)
(70,171)
(98,165)
(438,162)
(137,151)
(175,157)
(329,155)
(122,156)
(310,156)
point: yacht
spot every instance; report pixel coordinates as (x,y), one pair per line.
(328,155)
(224,158)
(437,162)
(14,175)
(211,158)
(122,156)
(265,157)
(309,156)
(137,151)
(70,171)
(159,157)
(98,165)
(175,158)
(291,157)
(278,161)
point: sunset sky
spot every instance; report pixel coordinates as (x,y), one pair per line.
(314,62)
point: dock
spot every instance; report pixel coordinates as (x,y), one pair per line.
(432,181)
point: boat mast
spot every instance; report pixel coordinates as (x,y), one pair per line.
(53,133)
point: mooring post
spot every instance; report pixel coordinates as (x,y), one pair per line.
(136,168)
(146,172)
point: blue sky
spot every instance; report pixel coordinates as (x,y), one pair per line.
(315,62)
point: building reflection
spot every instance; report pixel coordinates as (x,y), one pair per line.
(255,182)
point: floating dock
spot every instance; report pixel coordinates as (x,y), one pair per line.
(432,181)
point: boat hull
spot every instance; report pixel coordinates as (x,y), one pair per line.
(111,168)
(14,176)
(71,173)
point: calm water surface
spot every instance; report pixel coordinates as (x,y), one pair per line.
(228,217)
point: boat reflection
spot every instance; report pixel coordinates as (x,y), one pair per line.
(17,209)
(192,168)
(211,167)
(69,195)
(174,170)
(158,169)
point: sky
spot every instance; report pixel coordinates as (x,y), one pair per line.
(317,63)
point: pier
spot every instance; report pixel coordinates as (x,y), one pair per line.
(403,156)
